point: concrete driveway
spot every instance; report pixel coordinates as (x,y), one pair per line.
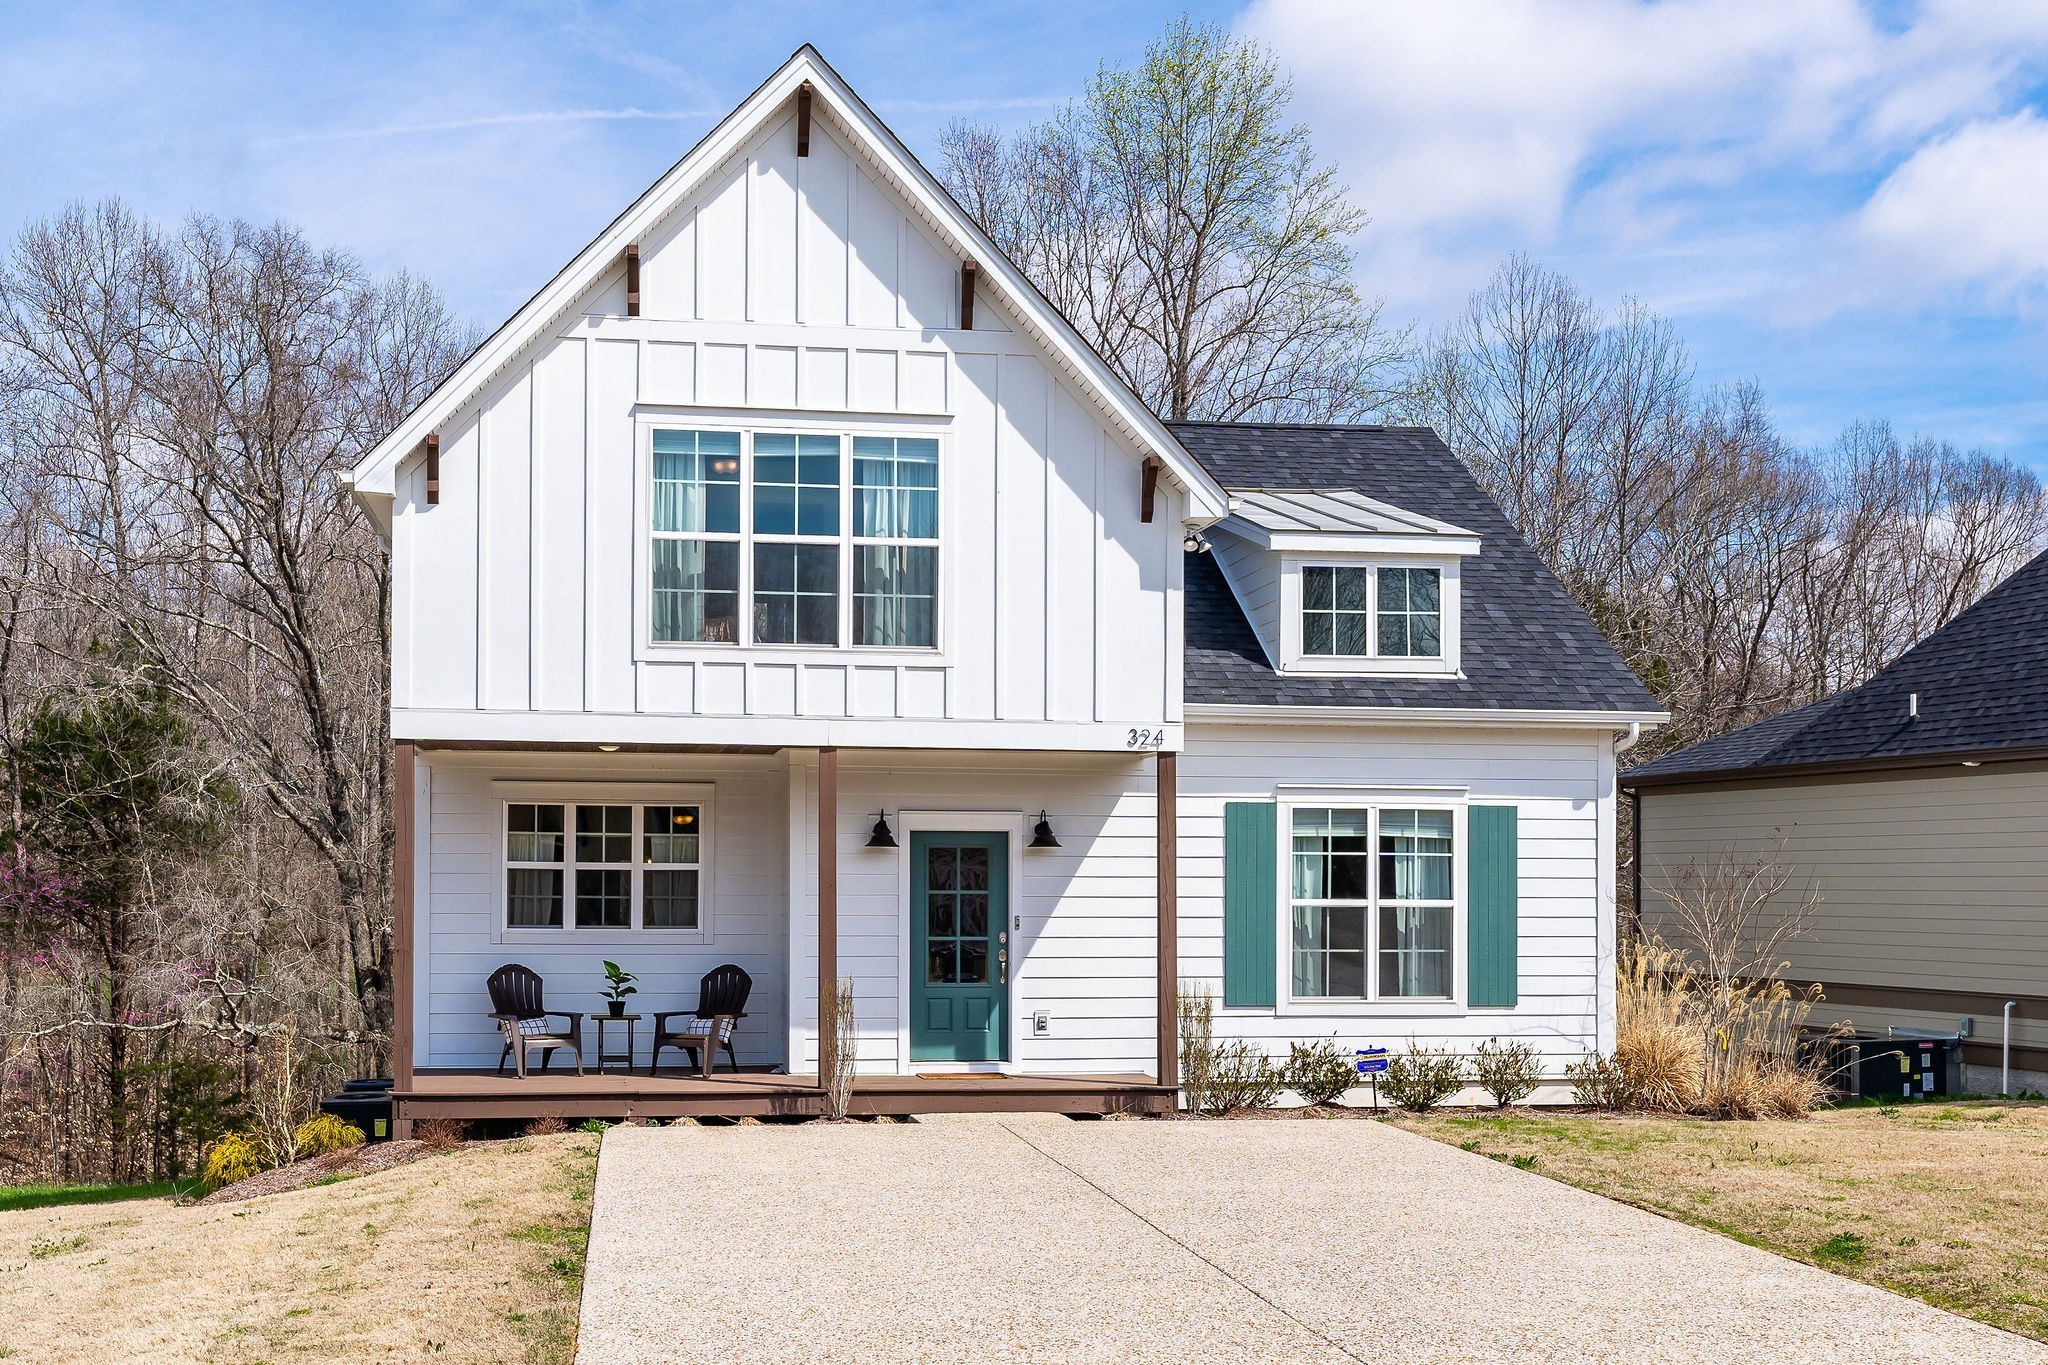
(1033,1237)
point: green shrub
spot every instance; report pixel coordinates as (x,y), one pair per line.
(1244,1079)
(1422,1078)
(232,1157)
(1506,1071)
(1321,1071)
(1602,1083)
(324,1133)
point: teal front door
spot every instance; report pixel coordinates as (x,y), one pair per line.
(959,947)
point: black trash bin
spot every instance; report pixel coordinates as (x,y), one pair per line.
(366,1103)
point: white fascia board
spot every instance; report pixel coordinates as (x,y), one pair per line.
(832,98)
(1460,543)
(428,725)
(1231,714)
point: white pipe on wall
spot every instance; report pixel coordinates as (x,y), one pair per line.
(2005,1051)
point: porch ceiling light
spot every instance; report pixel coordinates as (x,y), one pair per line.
(881,837)
(1042,836)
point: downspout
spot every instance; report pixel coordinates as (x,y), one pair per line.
(1635,801)
(2005,1051)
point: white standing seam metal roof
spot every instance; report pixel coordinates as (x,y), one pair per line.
(1331,511)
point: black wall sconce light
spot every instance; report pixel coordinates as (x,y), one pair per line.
(1042,836)
(881,837)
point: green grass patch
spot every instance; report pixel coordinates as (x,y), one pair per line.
(1844,1248)
(49,1196)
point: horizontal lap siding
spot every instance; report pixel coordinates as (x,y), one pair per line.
(1087,947)
(1556,783)
(1934,882)
(458,951)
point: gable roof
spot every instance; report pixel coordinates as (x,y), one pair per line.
(1525,645)
(833,101)
(1980,680)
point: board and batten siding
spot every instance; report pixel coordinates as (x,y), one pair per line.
(1928,881)
(1560,785)
(796,289)
(461,939)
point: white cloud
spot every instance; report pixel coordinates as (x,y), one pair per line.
(1605,127)
(1970,208)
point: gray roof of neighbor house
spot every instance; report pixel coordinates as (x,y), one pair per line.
(1982,688)
(1525,644)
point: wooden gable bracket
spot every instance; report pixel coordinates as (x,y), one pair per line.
(969,273)
(803,119)
(433,468)
(633,280)
(1148,488)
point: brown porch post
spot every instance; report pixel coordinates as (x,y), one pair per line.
(828,906)
(1167,872)
(401,925)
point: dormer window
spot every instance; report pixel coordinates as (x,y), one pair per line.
(1366,611)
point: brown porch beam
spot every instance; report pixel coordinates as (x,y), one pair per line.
(969,273)
(433,468)
(828,906)
(1148,487)
(633,279)
(803,119)
(1167,869)
(402,818)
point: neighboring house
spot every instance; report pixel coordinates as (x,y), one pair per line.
(1916,808)
(789,508)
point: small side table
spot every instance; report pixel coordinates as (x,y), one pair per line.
(631,1021)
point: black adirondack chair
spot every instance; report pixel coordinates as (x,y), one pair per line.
(524,1018)
(721,1004)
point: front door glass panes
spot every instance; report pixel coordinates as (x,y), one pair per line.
(956,915)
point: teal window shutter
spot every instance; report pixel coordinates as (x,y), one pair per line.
(1491,891)
(1250,901)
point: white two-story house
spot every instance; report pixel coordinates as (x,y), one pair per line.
(788,585)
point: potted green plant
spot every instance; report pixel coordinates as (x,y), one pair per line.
(618,985)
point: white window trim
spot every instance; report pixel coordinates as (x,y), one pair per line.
(1375,799)
(637,795)
(1293,660)
(648,420)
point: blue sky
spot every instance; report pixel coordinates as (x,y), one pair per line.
(1847,202)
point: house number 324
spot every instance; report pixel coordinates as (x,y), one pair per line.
(1145,739)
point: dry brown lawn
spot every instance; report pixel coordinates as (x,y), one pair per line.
(1948,1203)
(474,1255)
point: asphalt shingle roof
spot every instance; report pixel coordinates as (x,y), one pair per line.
(1982,682)
(1525,643)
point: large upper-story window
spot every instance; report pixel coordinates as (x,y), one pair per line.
(1366,611)
(1372,904)
(819,558)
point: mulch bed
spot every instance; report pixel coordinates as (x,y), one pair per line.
(371,1156)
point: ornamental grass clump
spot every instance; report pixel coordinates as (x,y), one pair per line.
(324,1133)
(232,1157)
(1422,1078)
(1320,1072)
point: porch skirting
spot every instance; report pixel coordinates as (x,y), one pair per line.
(477,1094)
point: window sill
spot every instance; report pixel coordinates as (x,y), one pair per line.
(1434,1007)
(605,938)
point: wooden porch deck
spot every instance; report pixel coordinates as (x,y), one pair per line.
(482,1094)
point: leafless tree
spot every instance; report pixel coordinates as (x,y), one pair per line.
(1191,234)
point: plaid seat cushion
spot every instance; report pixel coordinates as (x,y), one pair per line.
(700,1028)
(534,1027)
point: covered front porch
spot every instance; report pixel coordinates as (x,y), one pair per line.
(1062,977)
